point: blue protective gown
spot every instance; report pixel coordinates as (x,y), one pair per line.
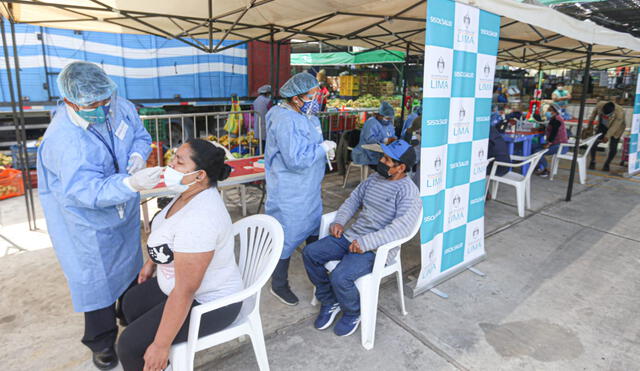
(373,131)
(295,166)
(407,123)
(80,193)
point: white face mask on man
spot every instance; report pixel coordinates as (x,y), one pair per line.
(173,179)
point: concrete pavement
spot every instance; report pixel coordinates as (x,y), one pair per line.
(560,293)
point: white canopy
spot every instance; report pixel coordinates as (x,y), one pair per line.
(530,34)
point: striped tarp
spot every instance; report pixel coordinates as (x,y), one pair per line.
(143,66)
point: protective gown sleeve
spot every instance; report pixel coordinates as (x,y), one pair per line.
(84,183)
(142,139)
(298,150)
(373,133)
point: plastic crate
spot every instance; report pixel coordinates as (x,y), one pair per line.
(11,183)
(32,153)
(150,124)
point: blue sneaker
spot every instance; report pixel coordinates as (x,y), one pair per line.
(326,316)
(347,325)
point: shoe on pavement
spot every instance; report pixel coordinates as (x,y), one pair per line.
(605,168)
(105,359)
(347,325)
(285,295)
(544,173)
(592,166)
(326,316)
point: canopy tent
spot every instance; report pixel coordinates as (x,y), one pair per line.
(530,36)
(529,33)
(344,58)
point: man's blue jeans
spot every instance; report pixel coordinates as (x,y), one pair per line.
(339,286)
(553,149)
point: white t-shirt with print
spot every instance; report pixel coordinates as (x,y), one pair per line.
(202,225)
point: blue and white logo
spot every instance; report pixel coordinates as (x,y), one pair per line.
(479,150)
(456,206)
(466,28)
(485,70)
(437,72)
(474,244)
(461,120)
(432,170)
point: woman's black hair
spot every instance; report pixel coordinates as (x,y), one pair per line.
(209,158)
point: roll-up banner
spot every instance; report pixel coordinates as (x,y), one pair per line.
(460,61)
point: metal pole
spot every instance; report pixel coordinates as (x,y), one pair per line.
(18,121)
(271,57)
(46,67)
(404,84)
(583,98)
(274,88)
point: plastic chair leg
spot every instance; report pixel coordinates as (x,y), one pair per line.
(346,175)
(494,190)
(582,170)
(554,167)
(400,289)
(368,313)
(520,200)
(259,347)
(527,192)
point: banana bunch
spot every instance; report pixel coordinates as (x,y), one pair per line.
(5,160)
(168,156)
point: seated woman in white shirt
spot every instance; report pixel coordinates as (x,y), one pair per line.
(192,245)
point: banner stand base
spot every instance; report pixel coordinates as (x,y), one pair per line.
(412,290)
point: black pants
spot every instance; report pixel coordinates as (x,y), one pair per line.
(613,146)
(142,308)
(100,328)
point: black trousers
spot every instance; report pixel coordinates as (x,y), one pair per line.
(100,327)
(613,146)
(142,308)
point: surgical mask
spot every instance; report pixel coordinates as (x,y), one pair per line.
(383,170)
(93,116)
(310,107)
(173,179)
(548,115)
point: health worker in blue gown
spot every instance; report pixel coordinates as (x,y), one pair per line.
(91,166)
(378,129)
(295,159)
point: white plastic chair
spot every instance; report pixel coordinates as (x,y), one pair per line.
(369,284)
(522,183)
(261,242)
(488,180)
(582,157)
(364,171)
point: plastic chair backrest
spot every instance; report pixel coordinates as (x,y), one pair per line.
(589,142)
(325,223)
(261,243)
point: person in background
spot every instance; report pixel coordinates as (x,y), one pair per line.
(561,97)
(503,98)
(323,95)
(295,160)
(390,206)
(612,124)
(378,129)
(498,150)
(555,134)
(191,246)
(91,166)
(261,105)
(417,112)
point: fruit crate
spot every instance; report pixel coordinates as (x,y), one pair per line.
(32,157)
(11,184)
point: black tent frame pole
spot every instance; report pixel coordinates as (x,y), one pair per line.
(18,120)
(271,57)
(274,88)
(405,67)
(583,98)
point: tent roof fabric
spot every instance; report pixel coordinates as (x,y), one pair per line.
(344,58)
(530,34)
